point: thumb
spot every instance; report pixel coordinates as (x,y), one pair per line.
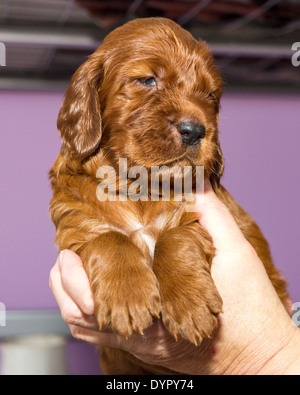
(216,218)
(75,281)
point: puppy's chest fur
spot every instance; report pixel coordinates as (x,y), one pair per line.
(75,190)
(144,222)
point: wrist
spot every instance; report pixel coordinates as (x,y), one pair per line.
(271,352)
(281,357)
(286,361)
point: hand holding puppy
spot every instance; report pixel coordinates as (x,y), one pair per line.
(248,341)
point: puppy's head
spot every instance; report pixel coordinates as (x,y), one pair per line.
(150,94)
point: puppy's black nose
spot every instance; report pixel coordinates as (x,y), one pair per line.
(191,132)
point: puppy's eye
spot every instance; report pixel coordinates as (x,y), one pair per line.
(148,81)
(212,97)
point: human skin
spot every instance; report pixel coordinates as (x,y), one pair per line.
(256,335)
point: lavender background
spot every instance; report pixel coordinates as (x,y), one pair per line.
(260,139)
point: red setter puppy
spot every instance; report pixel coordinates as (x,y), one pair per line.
(149,94)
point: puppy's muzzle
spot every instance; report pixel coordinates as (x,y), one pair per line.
(191,133)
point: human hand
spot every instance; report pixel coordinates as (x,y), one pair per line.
(255,336)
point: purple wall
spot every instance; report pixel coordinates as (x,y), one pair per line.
(260,138)
(28,148)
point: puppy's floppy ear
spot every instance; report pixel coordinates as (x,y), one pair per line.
(218,166)
(79,120)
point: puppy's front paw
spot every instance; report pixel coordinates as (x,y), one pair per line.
(128,302)
(192,315)
(190,300)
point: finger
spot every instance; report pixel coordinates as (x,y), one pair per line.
(87,335)
(70,312)
(216,218)
(65,303)
(75,281)
(136,343)
(104,338)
